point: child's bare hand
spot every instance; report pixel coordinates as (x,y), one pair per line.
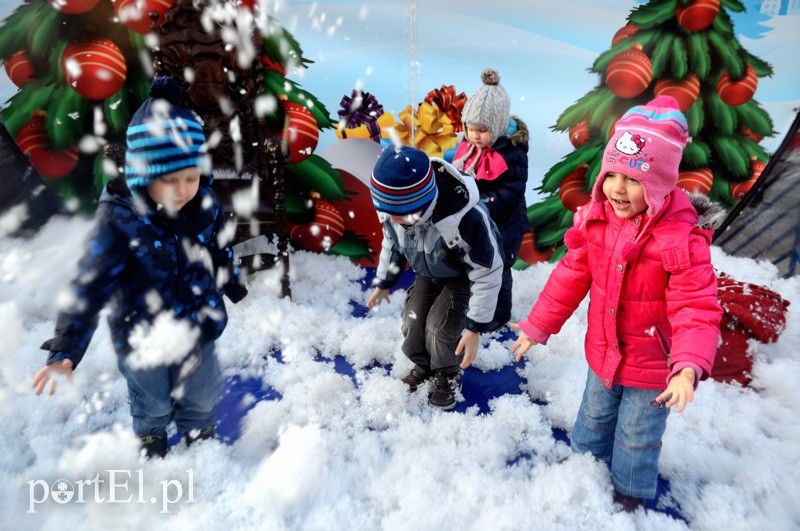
(51,373)
(680,389)
(523,342)
(468,344)
(378,295)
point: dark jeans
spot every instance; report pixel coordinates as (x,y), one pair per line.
(185,392)
(433,319)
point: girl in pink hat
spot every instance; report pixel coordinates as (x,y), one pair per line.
(640,249)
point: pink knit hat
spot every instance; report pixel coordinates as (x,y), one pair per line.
(647,145)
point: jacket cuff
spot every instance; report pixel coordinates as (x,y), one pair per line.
(679,366)
(533,332)
(479,328)
(55,357)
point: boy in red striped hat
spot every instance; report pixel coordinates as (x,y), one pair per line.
(433,219)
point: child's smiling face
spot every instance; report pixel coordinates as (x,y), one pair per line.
(626,195)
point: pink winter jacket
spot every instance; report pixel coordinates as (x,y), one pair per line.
(653,293)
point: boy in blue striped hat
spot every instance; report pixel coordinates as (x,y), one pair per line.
(433,219)
(157,255)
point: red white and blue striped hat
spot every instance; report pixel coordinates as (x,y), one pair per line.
(402,181)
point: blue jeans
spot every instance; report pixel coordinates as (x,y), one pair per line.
(619,426)
(185,392)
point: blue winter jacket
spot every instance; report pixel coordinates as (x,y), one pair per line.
(144,262)
(505,196)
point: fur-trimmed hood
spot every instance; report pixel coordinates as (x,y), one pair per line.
(711,214)
(521,135)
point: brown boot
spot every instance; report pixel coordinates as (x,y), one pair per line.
(419,375)
(629,503)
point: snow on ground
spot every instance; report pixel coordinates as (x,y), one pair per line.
(362,453)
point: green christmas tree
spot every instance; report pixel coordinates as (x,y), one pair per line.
(84,66)
(682,48)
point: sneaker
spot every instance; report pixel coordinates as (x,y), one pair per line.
(199,435)
(418,376)
(629,503)
(154,445)
(444,394)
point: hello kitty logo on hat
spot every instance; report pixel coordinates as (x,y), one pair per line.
(658,126)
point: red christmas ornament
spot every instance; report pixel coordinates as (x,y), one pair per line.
(697,15)
(737,92)
(19,69)
(684,90)
(359,216)
(94,67)
(301,132)
(623,33)
(579,134)
(629,73)
(32,140)
(324,231)
(572,189)
(73,7)
(749,134)
(696,180)
(528,252)
(135,14)
(739,190)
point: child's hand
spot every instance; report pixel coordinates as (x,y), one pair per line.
(468,344)
(378,295)
(52,371)
(680,389)
(523,342)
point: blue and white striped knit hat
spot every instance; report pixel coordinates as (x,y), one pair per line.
(163,137)
(402,181)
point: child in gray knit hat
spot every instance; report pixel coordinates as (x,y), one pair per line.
(495,152)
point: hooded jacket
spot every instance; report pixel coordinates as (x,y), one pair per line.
(145,262)
(653,292)
(455,237)
(504,193)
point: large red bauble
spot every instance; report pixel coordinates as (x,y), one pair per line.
(19,69)
(324,231)
(360,217)
(94,67)
(684,90)
(696,180)
(528,252)
(301,132)
(32,140)
(623,33)
(737,92)
(572,190)
(579,134)
(135,14)
(629,73)
(697,15)
(73,7)
(739,190)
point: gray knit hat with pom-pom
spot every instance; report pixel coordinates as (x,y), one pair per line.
(489,106)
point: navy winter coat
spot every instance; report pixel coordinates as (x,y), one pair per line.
(144,262)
